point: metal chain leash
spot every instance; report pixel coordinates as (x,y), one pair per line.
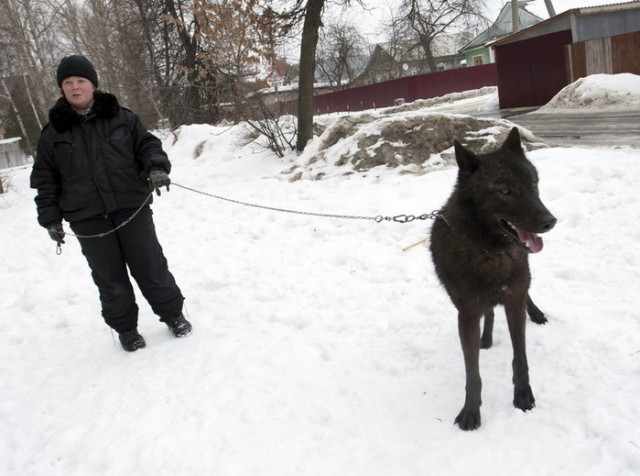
(378,218)
(124,223)
(103,234)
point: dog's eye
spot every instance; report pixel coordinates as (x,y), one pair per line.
(505,190)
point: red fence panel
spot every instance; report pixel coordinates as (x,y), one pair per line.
(532,71)
(423,86)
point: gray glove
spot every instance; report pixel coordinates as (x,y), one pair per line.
(56,233)
(159,178)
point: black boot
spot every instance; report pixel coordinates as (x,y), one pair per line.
(131,340)
(178,325)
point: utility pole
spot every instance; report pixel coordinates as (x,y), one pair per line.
(515,12)
(550,9)
(515,16)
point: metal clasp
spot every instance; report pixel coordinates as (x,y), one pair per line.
(404,218)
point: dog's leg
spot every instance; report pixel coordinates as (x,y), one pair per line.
(469,332)
(487,332)
(535,313)
(517,320)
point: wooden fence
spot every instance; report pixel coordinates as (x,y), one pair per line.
(610,55)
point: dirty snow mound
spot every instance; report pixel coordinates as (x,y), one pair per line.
(409,142)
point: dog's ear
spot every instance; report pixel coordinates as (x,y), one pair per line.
(513,141)
(467,160)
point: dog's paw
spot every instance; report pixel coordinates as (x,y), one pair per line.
(486,342)
(523,398)
(538,317)
(535,314)
(468,419)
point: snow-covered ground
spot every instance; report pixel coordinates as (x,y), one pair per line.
(319,346)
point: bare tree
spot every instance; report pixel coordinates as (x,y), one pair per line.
(237,48)
(30,36)
(400,43)
(341,50)
(276,129)
(161,76)
(8,96)
(309,12)
(181,14)
(154,68)
(429,19)
(98,25)
(308,45)
(34,26)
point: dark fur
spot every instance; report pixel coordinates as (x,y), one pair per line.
(62,117)
(482,261)
(534,312)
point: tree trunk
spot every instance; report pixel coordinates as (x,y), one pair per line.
(312,23)
(189,43)
(31,102)
(17,113)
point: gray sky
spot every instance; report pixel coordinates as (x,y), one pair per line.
(368,20)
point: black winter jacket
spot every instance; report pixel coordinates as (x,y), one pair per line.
(93,165)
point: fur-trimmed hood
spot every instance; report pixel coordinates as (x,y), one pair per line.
(62,117)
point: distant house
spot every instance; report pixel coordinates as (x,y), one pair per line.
(10,153)
(446,49)
(384,66)
(381,66)
(339,75)
(478,51)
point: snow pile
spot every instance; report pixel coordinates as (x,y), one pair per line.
(598,91)
(406,142)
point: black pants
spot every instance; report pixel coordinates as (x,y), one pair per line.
(135,246)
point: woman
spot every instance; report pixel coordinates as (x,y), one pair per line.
(94,167)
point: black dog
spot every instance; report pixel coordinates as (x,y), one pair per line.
(480,246)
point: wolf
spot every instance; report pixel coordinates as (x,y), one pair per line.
(480,245)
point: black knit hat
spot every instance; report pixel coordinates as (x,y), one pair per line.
(76,65)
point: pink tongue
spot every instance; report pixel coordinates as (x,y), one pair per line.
(532,240)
